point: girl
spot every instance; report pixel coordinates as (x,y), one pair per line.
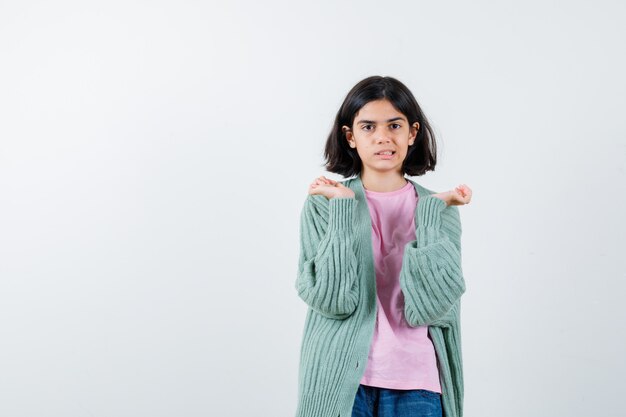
(380,268)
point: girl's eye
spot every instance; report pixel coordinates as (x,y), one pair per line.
(367,127)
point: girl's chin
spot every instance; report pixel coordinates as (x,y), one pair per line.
(382,166)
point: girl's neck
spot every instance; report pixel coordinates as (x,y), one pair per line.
(382,182)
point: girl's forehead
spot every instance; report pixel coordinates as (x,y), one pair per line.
(378,111)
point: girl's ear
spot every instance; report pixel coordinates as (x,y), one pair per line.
(414,129)
(348,134)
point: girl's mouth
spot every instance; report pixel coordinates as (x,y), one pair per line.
(385,155)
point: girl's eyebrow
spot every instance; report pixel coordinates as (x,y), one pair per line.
(373,122)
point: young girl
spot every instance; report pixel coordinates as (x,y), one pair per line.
(380,268)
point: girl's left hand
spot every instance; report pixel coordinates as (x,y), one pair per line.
(459,196)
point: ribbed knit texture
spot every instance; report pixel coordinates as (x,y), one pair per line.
(431,278)
(336,278)
(327,279)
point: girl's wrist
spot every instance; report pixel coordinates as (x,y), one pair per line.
(445,197)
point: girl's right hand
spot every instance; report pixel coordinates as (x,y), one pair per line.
(330,188)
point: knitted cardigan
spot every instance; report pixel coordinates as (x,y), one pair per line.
(336,279)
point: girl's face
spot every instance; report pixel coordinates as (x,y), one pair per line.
(378,126)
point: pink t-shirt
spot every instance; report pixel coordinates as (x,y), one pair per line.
(401,356)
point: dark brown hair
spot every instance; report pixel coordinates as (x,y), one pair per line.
(344,160)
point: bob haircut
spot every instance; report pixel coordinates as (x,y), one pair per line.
(344,160)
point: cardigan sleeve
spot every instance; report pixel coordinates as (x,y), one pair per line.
(431,277)
(327,264)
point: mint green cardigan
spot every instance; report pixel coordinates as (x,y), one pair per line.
(336,279)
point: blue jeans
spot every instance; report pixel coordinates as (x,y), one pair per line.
(385,402)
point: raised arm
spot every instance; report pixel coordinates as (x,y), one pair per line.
(327,265)
(431,277)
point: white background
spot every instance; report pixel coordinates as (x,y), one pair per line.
(155,156)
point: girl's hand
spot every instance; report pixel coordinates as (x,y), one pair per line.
(457,197)
(329,188)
